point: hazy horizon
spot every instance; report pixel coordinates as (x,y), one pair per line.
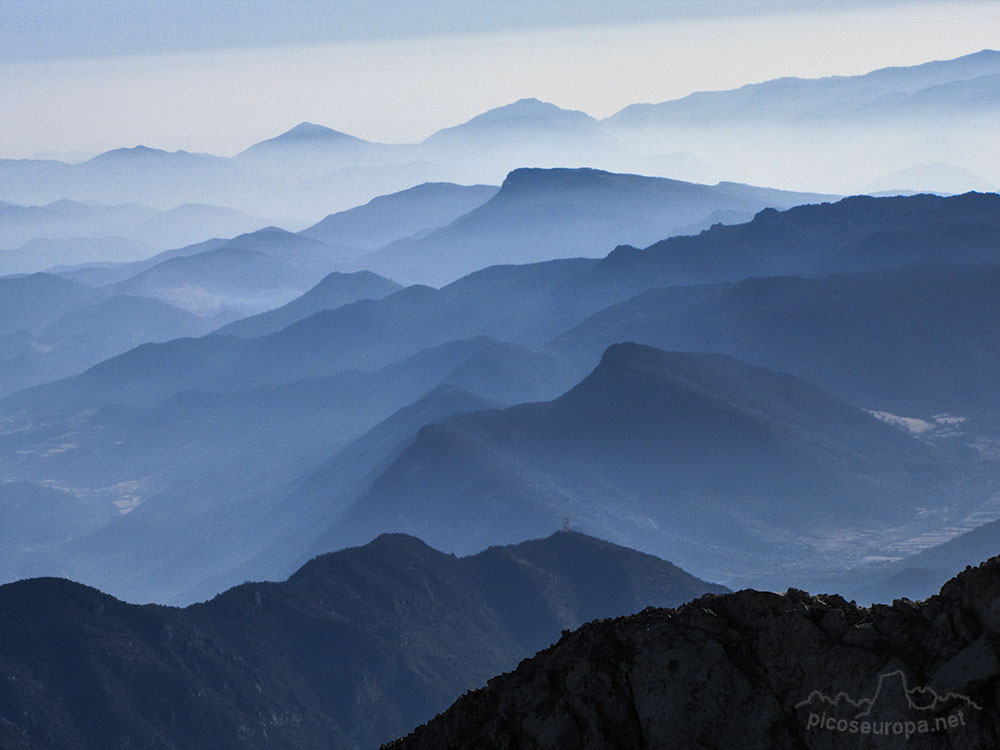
(167,77)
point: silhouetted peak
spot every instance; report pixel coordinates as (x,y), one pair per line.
(628,354)
(397,541)
(311,131)
(264,231)
(531,107)
(336,278)
(306,134)
(532,112)
(136,152)
(529,178)
(65,204)
(385,547)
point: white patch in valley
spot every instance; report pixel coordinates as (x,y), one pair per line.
(912,424)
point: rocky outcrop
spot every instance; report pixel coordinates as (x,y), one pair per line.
(753,670)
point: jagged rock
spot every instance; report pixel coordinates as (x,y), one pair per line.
(753,670)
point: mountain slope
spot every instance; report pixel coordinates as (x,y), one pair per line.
(354,648)
(545,214)
(43,254)
(917,341)
(286,540)
(852,235)
(150,176)
(30,303)
(67,219)
(221,476)
(307,150)
(752,670)
(227,280)
(524,115)
(796,99)
(52,327)
(105,273)
(531,304)
(728,467)
(392,217)
(335,290)
(842,132)
(507,303)
(919,575)
(101,330)
(32,519)
(265,383)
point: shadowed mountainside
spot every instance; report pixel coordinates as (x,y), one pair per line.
(727,467)
(354,648)
(752,670)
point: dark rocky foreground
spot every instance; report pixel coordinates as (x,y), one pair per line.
(753,670)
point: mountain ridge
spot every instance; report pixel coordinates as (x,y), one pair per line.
(355,647)
(642,420)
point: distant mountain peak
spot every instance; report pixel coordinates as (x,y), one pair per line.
(524,113)
(527,175)
(528,178)
(135,151)
(534,108)
(307,133)
(312,131)
(146,153)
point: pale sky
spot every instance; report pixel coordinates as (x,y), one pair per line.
(218,76)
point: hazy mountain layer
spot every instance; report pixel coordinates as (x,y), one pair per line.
(216,477)
(841,132)
(543,214)
(919,341)
(919,575)
(392,217)
(246,275)
(230,418)
(852,235)
(335,290)
(67,219)
(736,470)
(53,254)
(52,327)
(833,135)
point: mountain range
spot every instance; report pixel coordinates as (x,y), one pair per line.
(826,135)
(52,327)
(72,220)
(276,394)
(192,431)
(388,218)
(544,214)
(913,341)
(355,648)
(635,450)
(333,291)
